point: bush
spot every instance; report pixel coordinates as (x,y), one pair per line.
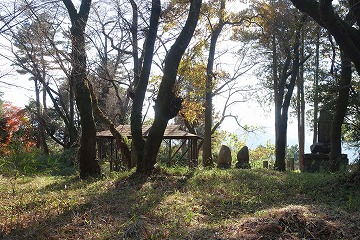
(20,161)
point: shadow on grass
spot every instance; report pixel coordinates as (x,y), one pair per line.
(210,204)
(121,211)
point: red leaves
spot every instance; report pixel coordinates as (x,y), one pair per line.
(15,125)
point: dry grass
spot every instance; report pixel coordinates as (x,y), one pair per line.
(182,204)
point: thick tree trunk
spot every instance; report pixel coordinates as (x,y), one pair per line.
(280,145)
(141,83)
(341,108)
(168,104)
(87,153)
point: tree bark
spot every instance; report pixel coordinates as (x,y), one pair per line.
(119,138)
(341,108)
(282,103)
(301,108)
(168,104)
(316,87)
(41,136)
(87,153)
(141,86)
(207,153)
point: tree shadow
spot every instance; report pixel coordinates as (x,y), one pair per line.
(122,211)
(208,205)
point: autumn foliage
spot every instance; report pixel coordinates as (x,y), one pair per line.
(15,126)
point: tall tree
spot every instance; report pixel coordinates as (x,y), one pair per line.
(345,29)
(316,85)
(37,48)
(301,104)
(280,35)
(340,112)
(202,67)
(141,83)
(167,103)
(283,98)
(87,153)
(30,57)
(215,33)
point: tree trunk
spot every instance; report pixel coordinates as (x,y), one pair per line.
(207,153)
(41,136)
(119,138)
(316,87)
(301,108)
(341,107)
(280,145)
(168,104)
(282,103)
(87,153)
(138,142)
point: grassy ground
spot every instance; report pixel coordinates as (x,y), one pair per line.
(182,204)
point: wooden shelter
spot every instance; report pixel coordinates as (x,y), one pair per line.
(189,142)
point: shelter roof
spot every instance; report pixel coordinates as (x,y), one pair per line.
(171,132)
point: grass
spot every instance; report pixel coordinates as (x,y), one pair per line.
(179,203)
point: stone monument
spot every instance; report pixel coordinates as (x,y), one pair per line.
(243,158)
(319,157)
(324,133)
(224,158)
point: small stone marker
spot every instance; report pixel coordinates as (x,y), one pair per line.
(243,158)
(224,158)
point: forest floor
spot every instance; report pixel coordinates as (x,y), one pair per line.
(180,203)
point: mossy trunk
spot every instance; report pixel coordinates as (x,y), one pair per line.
(89,167)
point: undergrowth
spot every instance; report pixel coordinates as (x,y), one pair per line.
(181,203)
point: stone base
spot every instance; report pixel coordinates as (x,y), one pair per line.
(317,162)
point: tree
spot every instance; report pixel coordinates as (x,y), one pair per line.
(140,85)
(215,32)
(167,103)
(300,108)
(30,58)
(87,153)
(37,47)
(345,29)
(203,74)
(280,36)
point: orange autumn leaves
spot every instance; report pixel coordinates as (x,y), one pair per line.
(15,126)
